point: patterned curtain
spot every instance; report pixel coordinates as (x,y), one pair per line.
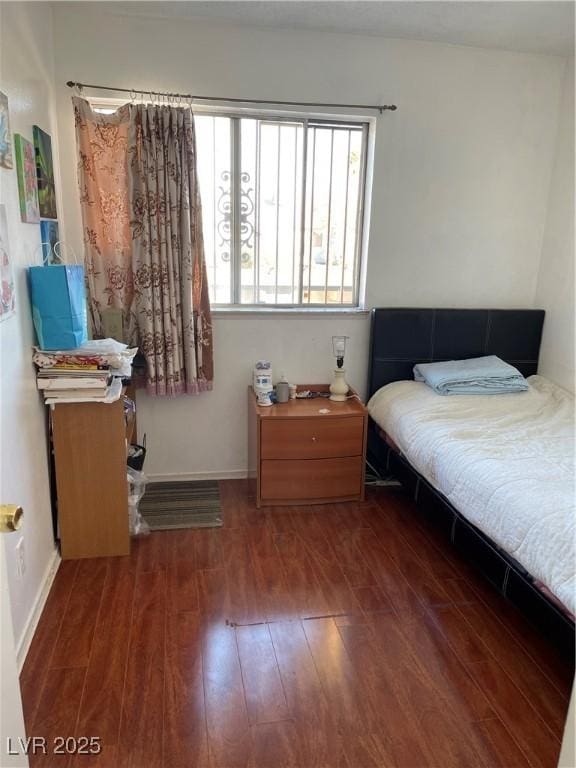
(170,282)
(143,233)
(103,177)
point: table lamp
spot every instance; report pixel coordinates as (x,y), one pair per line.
(339,388)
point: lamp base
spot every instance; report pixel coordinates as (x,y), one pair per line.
(339,388)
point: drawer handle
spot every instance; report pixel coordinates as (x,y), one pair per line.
(314,439)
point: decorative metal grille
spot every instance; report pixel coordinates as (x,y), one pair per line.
(283,206)
(224,223)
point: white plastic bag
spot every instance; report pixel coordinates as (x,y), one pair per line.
(136,488)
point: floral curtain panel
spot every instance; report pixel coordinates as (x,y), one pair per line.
(170,282)
(103,177)
(143,233)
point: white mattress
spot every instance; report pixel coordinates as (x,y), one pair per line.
(506,462)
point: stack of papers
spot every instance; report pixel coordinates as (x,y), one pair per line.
(101,353)
(75,384)
(91,373)
(108,394)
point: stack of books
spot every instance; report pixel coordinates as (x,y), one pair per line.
(74,383)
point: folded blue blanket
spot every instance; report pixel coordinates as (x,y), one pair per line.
(477,376)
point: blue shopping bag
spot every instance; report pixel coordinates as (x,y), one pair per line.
(58,305)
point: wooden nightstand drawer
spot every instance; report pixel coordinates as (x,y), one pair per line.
(299,455)
(320,437)
(311,478)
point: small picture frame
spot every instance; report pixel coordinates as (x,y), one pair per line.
(6,158)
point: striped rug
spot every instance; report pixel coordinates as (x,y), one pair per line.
(182,504)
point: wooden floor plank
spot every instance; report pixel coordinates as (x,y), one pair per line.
(35,667)
(208,549)
(540,746)
(442,698)
(275,745)
(467,645)
(141,727)
(535,686)
(344,686)
(213,594)
(459,591)
(308,598)
(182,587)
(105,758)
(57,714)
(353,565)
(390,579)
(277,598)
(320,741)
(503,750)
(153,551)
(101,707)
(380,680)
(421,574)
(181,577)
(338,594)
(185,733)
(400,517)
(265,699)
(235,546)
(226,715)
(246,603)
(74,640)
(340,680)
(442,665)
(372,599)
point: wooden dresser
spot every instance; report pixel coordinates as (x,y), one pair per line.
(298,455)
(89,443)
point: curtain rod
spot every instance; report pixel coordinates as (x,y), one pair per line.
(189,97)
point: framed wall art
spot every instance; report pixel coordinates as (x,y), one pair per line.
(26,172)
(45,174)
(6,159)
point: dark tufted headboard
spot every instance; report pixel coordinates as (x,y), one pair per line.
(402,337)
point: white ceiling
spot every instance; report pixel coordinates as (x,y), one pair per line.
(533,26)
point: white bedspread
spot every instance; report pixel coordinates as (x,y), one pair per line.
(506,462)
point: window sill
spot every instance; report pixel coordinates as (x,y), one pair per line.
(235,311)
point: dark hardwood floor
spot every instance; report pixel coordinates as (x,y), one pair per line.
(334,636)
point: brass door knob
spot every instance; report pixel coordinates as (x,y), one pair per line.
(10,517)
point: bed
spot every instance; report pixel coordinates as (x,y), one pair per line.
(493,472)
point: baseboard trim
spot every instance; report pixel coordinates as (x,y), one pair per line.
(25,641)
(216,474)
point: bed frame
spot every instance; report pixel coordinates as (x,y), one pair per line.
(401,338)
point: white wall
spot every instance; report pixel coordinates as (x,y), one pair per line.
(27,77)
(208,435)
(555,287)
(461,178)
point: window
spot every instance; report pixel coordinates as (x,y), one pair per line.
(282,203)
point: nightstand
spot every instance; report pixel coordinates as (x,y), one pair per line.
(299,455)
